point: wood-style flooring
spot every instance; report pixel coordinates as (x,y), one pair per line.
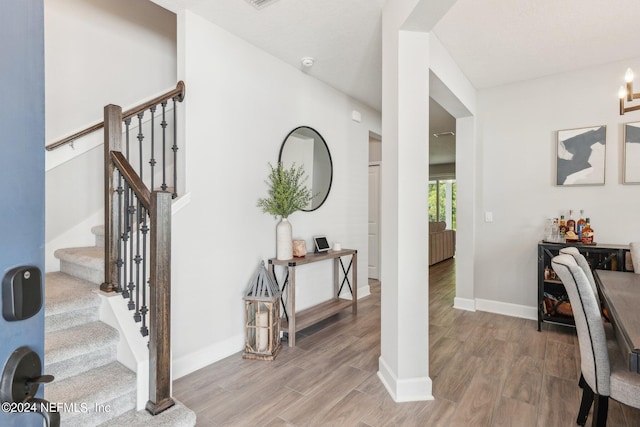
(487,370)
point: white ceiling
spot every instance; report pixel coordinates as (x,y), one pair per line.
(442,149)
(343,36)
(494,42)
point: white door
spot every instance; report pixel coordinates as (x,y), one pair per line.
(374,221)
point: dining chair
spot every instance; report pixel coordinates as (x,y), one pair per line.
(604,372)
(582,263)
(634,248)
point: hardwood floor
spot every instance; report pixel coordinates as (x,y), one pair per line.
(487,370)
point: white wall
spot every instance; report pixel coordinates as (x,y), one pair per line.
(517,138)
(241,104)
(452,90)
(97,52)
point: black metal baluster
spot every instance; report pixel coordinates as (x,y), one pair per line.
(164,145)
(175,150)
(137,259)
(152,162)
(127,122)
(140,138)
(125,238)
(144,309)
(131,214)
(119,262)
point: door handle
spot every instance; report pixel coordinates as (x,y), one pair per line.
(21,378)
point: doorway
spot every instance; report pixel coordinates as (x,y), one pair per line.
(375,166)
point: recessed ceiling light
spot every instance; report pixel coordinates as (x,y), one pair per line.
(307,62)
(259,4)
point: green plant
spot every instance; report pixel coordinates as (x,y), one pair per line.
(287,192)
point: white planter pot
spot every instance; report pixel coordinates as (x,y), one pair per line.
(284,241)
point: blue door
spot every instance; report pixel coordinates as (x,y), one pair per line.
(21,168)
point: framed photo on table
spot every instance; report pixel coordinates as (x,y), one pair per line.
(580,156)
(631,162)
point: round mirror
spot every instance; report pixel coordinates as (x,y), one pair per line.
(304,146)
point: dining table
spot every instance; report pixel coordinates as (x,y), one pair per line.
(620,295)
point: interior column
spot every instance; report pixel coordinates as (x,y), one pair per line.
(404,360)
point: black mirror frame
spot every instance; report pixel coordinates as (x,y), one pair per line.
(330,162)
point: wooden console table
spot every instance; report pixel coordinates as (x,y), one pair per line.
(291,321)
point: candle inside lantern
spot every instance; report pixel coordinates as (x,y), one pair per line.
(262,326)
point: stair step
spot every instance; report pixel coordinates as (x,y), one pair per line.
(176,416)
(94,397)
(69,302)
(74,350)
(86,263)
(98,231)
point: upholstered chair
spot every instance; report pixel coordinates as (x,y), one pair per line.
(604,371)
(582,263)
(634,248)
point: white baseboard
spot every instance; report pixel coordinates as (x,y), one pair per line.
(406,390)
(364,291)
(180,203)
(464,304)
(206,356)
(508,309)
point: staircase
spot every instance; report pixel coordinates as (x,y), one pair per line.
(91,387)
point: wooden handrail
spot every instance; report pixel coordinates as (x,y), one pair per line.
(130,175)
(177,93)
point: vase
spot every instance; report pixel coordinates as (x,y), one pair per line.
(284,243)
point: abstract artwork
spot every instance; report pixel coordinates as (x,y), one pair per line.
(580,156)
(631,153)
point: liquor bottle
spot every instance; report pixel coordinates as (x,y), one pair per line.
(580,224)
(563,226)
(571,223)
(571,236)
(587,233)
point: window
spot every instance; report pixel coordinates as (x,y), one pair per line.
(442,202)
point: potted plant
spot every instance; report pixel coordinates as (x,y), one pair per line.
(287,194)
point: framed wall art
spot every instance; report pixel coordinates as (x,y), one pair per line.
(580,156)
(631,163)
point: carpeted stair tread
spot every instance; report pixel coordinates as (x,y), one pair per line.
(64,293)
(69,302)
(98,232)
(113,385)
(86,263)
(73,342)
(88,254)
(176,416)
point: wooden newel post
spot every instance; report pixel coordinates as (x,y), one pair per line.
(112,142)
(160,304)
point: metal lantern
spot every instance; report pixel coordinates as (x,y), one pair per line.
(262,311)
